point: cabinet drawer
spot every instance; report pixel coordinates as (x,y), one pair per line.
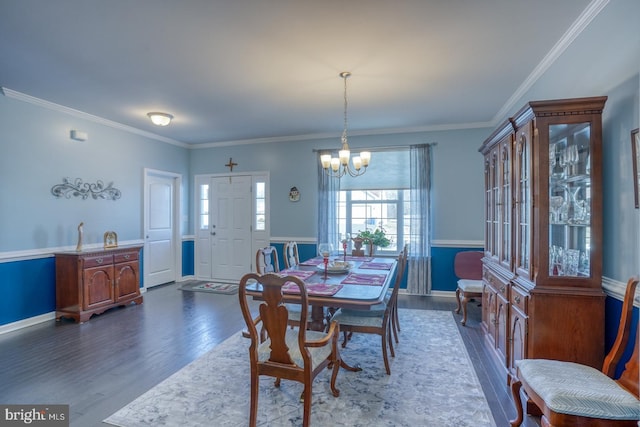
(97,261)
(126,256)
(500,286)
(519,299)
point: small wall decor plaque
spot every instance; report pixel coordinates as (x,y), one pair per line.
(110,239)
(294,194)
(77,188)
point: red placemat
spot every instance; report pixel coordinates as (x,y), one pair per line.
(365,279)
(302,274)
(312,261)
(376,265)
(317,289)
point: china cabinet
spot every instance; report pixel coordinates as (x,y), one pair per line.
(93,281)
(543,234)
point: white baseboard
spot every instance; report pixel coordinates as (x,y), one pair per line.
(10,327)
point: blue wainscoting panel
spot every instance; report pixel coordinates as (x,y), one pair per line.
(188,258)
(612,310)
(442,276)
(27,289)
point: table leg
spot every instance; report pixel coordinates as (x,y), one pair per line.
(317,318)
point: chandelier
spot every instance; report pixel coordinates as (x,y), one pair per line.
(337,167)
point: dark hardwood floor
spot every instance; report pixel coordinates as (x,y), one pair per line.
(101,365)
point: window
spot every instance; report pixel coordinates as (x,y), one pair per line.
(360,210)
(204,206)
(378,199)
(260,223)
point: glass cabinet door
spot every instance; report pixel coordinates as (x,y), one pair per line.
(505,202)
(492,196)
(569,200)
(523,200)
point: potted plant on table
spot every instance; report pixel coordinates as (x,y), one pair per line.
(376,238)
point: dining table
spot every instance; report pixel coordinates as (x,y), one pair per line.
(343,282)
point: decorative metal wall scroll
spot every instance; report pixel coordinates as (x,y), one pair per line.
(77,188)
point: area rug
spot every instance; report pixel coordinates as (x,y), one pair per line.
(432,383)
(216,288)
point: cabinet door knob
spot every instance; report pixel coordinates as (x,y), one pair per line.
(517,298)
(127,256)
(99,260)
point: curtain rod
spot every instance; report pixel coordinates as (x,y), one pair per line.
(374,149)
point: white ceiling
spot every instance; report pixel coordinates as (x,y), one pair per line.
(241,70)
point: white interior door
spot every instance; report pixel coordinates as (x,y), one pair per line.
(231,220)
(160,228)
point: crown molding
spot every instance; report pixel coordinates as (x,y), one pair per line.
(585,18)
(10,93)
(330,135)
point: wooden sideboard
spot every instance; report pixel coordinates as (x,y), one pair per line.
(93,281)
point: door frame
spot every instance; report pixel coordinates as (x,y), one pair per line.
(176,214)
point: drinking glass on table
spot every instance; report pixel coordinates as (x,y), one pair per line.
(324,250)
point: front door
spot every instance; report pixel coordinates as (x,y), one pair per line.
(231,215)
(232,222)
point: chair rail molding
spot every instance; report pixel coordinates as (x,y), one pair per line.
(615,289)
(457,243)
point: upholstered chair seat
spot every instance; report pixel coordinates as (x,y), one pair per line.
(578,390)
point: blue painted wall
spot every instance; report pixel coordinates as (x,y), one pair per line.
(613,308)
(27,289)
(443,278)
(188,258)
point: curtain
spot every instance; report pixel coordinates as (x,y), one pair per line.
(328,191)
(419,262)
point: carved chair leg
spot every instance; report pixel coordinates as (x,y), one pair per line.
(334,374)
(388,333)
(276,383)
(306,415)
(253,411)
(384,353)
(458,300)
(516,385)
(465,300)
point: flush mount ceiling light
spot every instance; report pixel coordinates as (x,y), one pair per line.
(160,119)
(339,166)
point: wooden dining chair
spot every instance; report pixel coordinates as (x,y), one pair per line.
(283,353)
(290,253)
(377,320)
(395,319)
(467,266)
(267,260)
(570,394)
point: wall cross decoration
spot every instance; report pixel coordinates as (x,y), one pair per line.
(231,164)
